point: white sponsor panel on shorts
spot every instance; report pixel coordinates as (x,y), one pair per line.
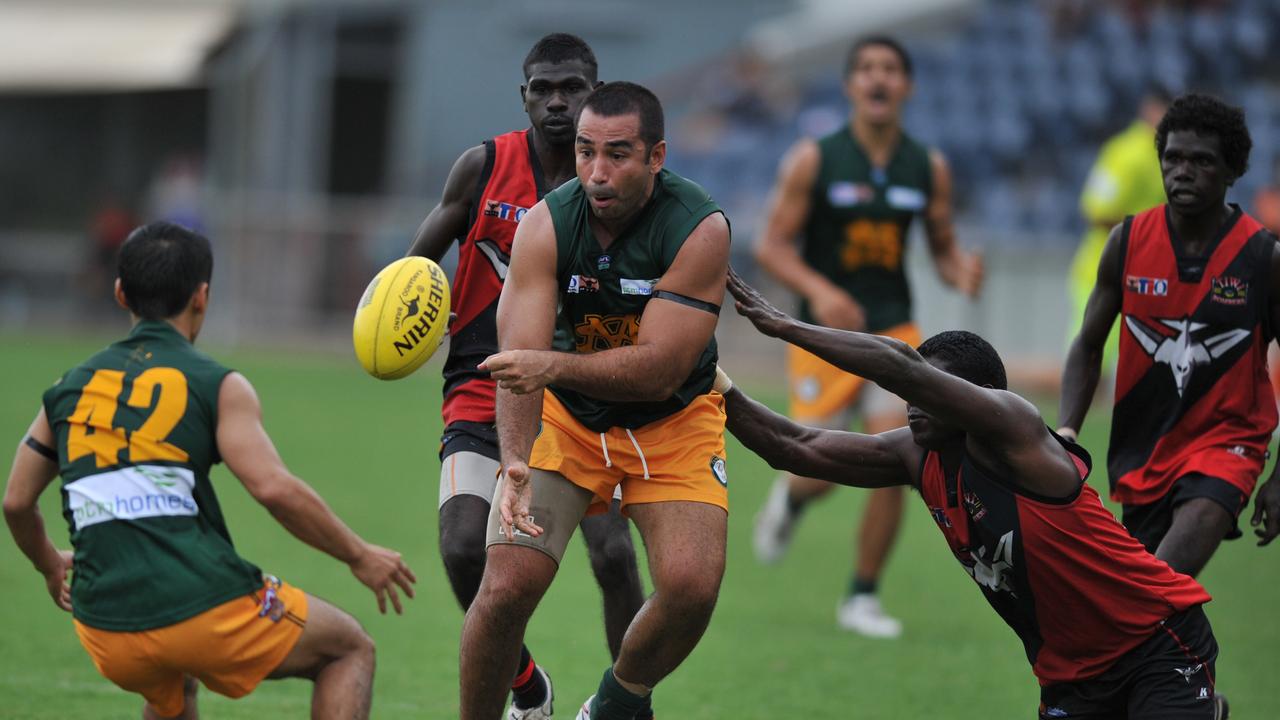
(130,493)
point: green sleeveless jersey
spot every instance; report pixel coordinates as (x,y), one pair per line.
(135,436)
(859,215)
(604,291)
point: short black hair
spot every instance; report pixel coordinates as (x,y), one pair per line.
(967,356)
(558,48)
(160,266)
(866,41)
(1206,115)
(624,98)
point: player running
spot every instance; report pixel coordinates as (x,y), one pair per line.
(160,599)
(1109,630)
(1197,282)
(625,267)
(836,234)
(490,189)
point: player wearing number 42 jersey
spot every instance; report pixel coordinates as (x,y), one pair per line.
(1109,630)
(836,235)
(159,597)
(1196,284)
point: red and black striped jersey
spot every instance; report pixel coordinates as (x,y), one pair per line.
(1192,392)
(1078,590)
(510,184)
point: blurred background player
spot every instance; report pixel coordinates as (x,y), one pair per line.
(836,235)
(623,270)
(1110,631)
(1197,285)
(159,596)
(1124,180)
(488,192)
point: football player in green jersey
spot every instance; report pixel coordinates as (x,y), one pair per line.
(836,235)
(159,596)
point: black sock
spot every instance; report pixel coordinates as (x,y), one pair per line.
(527,689)
(863,586)
(614,702)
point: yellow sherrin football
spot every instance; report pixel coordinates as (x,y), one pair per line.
(401,318)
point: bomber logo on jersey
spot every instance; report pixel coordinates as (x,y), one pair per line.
(504,210)
(582,284)
(849,194)
(1147,286)
(905,198)
(1187,349)
(1229,290)
(605,332)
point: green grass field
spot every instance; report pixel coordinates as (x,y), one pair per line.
(772,651)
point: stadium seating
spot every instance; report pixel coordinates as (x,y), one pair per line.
(1020,107)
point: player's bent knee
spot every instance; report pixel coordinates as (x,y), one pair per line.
(613,561)
(463,551)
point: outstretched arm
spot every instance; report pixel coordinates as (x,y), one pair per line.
(959,268)
(448,221)
(1266,504)
(251,456)
(1084,359)
(996,422)
(839,457)
(31,474)
(673,333)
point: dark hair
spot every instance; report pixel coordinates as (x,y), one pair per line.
(160,267)
(1206,115)
(558,48)
(967,356)
(866,41)
(624,98)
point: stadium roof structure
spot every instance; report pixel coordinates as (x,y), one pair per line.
(79,45)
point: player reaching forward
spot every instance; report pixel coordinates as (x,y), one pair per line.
(836,234)
(1109,630)
(1196,283)
(625,267)
(489,191)
(159,596)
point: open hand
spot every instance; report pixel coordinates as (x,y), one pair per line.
(1266,511)
(513,506)
(56,583)
(521,371)
(381,570)
(751,304)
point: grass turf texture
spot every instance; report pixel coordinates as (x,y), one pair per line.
(772,649)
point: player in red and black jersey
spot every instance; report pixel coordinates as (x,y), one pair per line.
(489,189)
(1197,283)
(1109,630)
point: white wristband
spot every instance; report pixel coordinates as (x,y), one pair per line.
(723,382)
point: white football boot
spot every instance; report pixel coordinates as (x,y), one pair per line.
(541,712)
(585,712)
(774,524)
(862,614)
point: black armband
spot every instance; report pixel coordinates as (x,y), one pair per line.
(687,301)
(48,452)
